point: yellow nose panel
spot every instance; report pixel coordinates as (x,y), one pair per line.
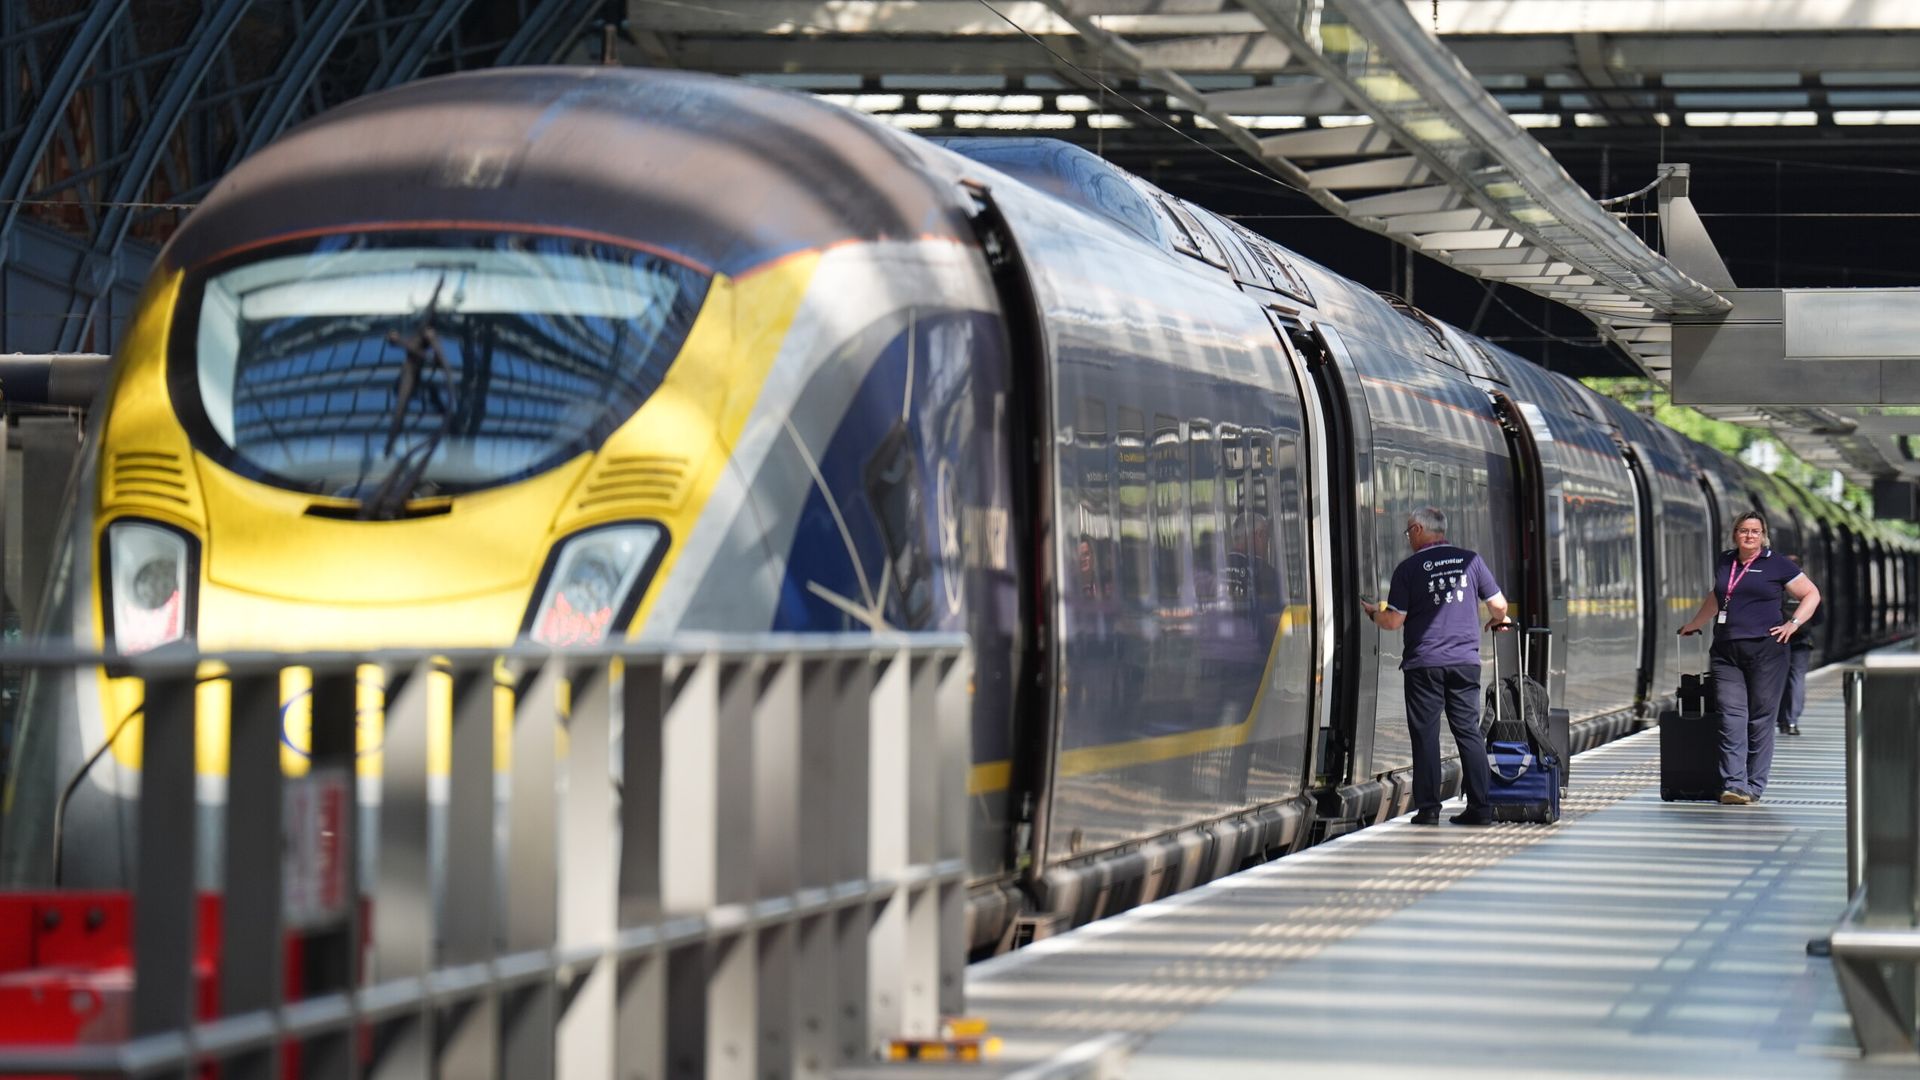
(261,540)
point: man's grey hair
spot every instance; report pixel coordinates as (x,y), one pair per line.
(1432,519)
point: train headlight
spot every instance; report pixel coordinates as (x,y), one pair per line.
(151,577)
(591,584)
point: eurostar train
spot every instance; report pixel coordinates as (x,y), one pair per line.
(578,354)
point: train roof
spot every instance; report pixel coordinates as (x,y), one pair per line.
(721,173)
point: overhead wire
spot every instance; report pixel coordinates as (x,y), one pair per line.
(1546,334)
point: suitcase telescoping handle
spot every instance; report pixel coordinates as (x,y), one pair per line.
(1497,695)
(1544,636)
(1526,760)
(1706,650)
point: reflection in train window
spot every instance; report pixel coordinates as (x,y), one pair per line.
(1130,487)
(1233,490)
(1289,475)
(1202,508)
(1094,559)
(1261,579)
(1168,514)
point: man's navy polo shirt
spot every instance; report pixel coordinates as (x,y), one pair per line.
(1755,607)
(1439,589)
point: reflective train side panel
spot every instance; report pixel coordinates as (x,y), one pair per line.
(1180,554)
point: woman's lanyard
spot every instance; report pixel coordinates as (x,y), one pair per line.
(1733,582)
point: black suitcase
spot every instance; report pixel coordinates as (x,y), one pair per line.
(1690,741)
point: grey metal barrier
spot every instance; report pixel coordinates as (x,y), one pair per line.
(774,888)
(1876,944)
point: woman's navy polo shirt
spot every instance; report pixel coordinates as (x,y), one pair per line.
(1755,606)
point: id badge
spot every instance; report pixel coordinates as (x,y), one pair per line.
(1722,620)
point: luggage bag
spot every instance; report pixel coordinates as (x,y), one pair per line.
(1690,740)
(1524,772)
(1555,734)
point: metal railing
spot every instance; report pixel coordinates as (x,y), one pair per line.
(738,857)
(1876,944)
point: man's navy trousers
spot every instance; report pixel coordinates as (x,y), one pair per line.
(1457,691)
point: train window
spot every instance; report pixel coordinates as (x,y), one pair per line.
(1233,492)
(1130,488)
(289,367)
(1169,517)
(1095,557)
(1262,577)
(893,490)
(1202,508)
(1290,480)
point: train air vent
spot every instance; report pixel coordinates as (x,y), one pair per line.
(653,480)
(153,477)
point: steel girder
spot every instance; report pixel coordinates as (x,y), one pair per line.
(328,23)
(405,61)
(209,36)
(548,32)
(50,101)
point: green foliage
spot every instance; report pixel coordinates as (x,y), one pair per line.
(1651,399)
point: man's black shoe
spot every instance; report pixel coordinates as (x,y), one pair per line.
(1472,817)
(1428,816)
(1786,728)
(1793,729)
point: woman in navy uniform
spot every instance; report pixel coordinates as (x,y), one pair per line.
(1750,654)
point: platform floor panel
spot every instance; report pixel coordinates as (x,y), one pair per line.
(1634,939)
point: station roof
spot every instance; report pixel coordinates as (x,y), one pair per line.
(1795,117)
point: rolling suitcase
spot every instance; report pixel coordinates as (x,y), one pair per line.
(1690,740)
(1549,728)
(1523,768)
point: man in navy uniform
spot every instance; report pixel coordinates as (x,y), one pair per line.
(1436,595)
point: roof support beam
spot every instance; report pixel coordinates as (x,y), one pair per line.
(156,130)
(54,97)
(317,40)
(403,65)
(546,32)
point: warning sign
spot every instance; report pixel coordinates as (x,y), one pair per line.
(319,810)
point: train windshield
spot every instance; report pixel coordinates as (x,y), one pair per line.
(389,367)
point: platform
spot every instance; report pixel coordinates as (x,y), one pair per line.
(1635,939)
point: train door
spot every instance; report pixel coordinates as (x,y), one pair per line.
(1716,517)
(1343,441)
(1332,539)
(1646,526)
(1011,782)
(1530,602)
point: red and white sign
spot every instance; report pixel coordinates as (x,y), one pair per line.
(319,811)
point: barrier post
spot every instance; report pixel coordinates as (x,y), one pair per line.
(1876,947)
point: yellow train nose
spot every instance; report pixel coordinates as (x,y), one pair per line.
(256,533)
